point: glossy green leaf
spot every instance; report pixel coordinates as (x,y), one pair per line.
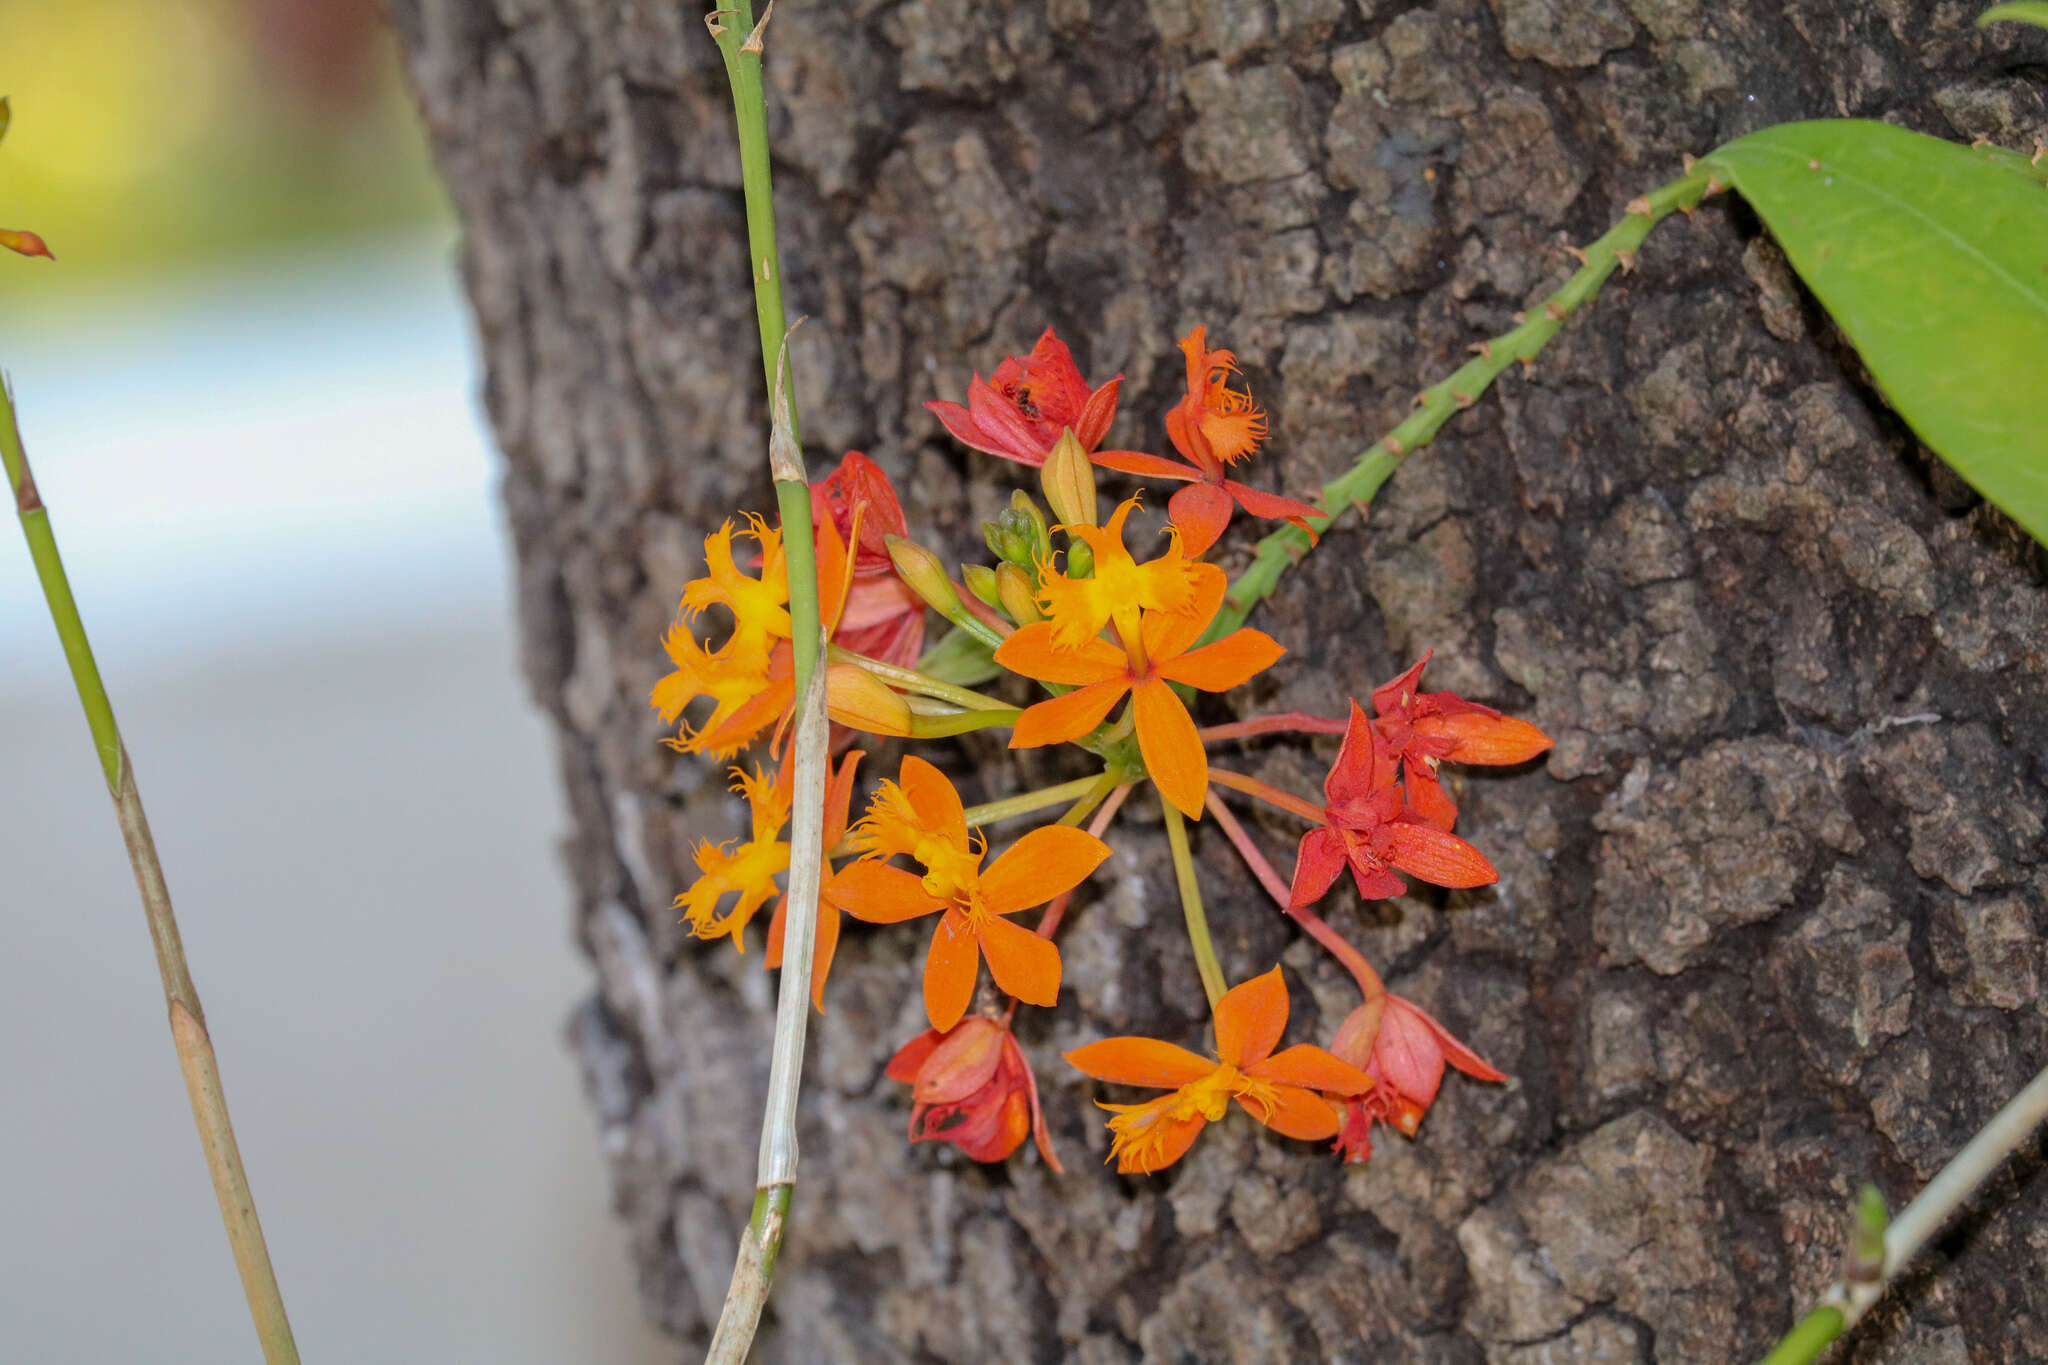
(1933,258)
(2033,12)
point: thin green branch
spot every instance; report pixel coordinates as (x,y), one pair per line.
(188,1021)
(1213,984)
(1845,1302)
(1434,406)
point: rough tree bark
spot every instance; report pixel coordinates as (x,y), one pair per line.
(1771,917)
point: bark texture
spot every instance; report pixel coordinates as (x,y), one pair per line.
(1771,917)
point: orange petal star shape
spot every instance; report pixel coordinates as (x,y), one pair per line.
(920,817)
(1277,1089)
(1157,654)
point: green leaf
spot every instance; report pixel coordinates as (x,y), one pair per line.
(960,658)
(2033,12)
(1933,258)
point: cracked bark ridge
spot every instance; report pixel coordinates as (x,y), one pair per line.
(1771,918)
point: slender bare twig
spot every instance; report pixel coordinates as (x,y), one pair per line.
(1846,1301)
(188,1020)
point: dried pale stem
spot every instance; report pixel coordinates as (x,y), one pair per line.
(1191,904)
(740,45)
(1844,1304)
(1434,406)
(187,1019)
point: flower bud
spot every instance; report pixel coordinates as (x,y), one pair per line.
(981,581)
(1068,480)
(922,572)
(27,243)
(1018,536)
(1014,591)
(858,699)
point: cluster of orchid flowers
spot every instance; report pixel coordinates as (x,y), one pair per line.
(1117,646)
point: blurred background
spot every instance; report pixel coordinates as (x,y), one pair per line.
(249,392)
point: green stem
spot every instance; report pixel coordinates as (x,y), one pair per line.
(1191,904)
(960,723)
(1847,1300)
(1093,797)
(1024,803)
(923,684)
(760,1249)
(1279,551)
(740,45)
(188,1021)
(732,27)
(1806,1341)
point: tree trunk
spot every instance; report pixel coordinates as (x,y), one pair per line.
(1771,916)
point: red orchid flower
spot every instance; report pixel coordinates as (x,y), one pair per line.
(1404,1050)
(882,619)
(1368,825)
(1021,409)
(1212,428)
(971,1086)
(1422,729)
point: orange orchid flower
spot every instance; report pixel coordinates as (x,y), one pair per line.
(920,816)
(838,799)
(1079,608)
(1156,654)
(748,870)
(1277,1089)
(1404,1050)
(1424,729)
(1213,427)
(972,1087)
(750,677)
